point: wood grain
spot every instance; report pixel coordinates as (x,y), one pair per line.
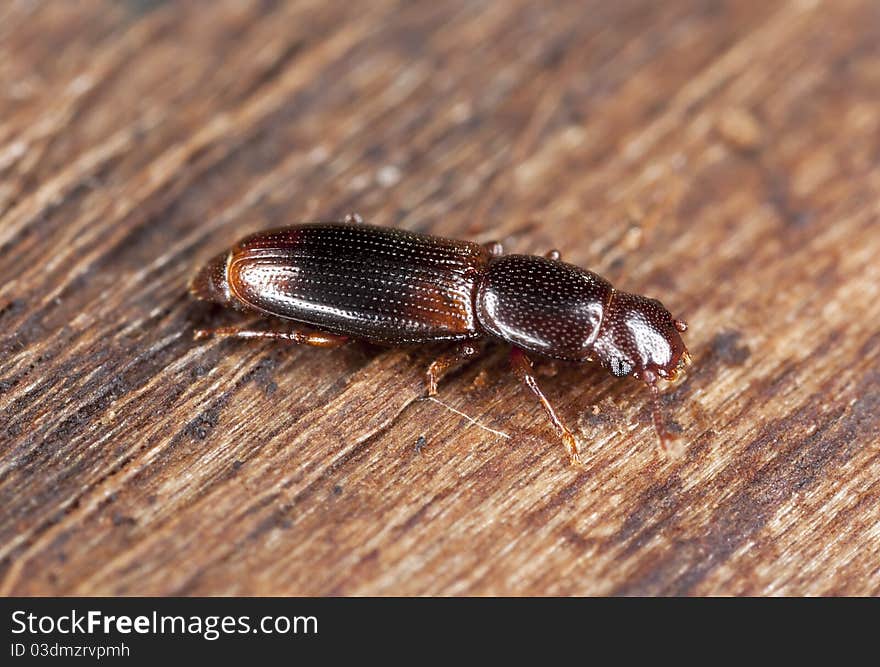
(724,157)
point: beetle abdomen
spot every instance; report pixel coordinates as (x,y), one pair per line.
(543,306)
(375,283)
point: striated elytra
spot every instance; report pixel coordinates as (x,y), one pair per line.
(351,280)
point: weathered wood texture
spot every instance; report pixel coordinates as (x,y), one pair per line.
(724,157)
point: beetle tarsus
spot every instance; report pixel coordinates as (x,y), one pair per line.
(574,455)
(668,441)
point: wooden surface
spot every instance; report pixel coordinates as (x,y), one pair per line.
(724,157)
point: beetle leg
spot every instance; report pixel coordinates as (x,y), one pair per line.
(353,219)
(314,338)
(667,439)
(441,365)
(494,248)
(554,254)
(522,366)
(657,417)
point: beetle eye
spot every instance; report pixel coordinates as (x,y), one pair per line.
(621,367)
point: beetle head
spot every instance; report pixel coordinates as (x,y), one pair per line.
(640,337)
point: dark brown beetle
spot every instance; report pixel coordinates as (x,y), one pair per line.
(351,280)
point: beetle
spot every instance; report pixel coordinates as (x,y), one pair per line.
(351,280)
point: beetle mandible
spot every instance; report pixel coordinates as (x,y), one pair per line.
(350,280)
